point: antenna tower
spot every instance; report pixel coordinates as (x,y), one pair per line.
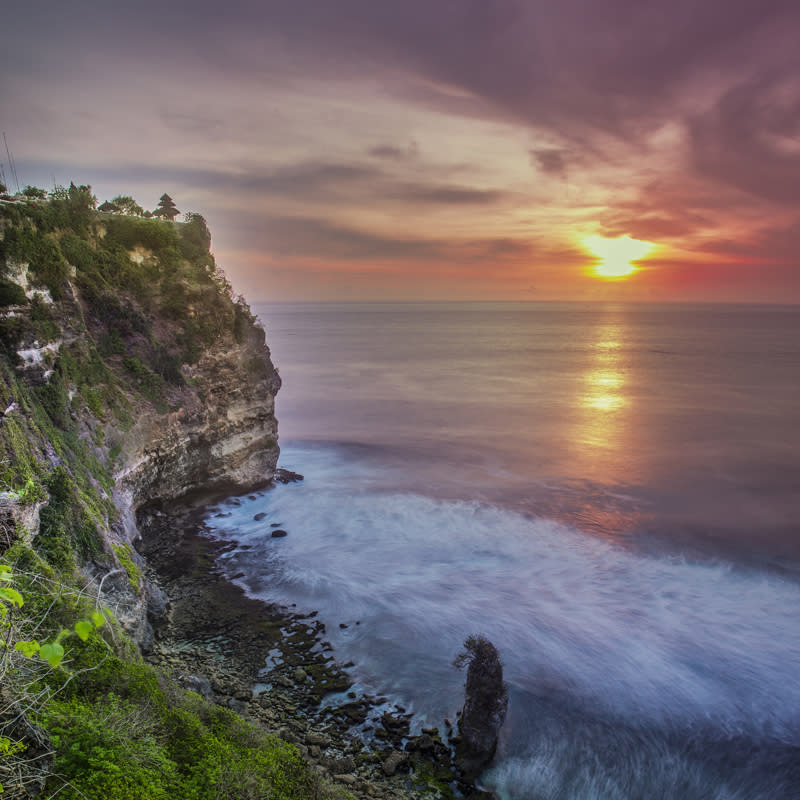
(11,163)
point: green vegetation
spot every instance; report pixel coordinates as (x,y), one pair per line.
(112,726)
(134,301)
(123,552)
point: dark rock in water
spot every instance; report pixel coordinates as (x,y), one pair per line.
(485,705)
(342,625)
(275,524)
(251,497)
(286,476)
(258,517)
(423,743)
(279,533)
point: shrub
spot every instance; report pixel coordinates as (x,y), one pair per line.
(108,749)
(11,294)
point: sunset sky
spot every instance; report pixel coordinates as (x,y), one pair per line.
(445,149)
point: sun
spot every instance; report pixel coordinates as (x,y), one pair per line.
(616,255)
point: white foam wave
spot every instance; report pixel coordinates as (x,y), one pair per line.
(656,639)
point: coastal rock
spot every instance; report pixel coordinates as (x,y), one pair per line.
(287,476)
(279,533)
(485,705)
(339,766)
(422,744)
(395,759)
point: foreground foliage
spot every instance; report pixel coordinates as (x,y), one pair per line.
(98,723)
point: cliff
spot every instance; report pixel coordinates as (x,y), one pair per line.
(130,373)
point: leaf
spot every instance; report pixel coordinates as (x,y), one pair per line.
(98,619)
(11,595)
(83,628)
(5,573)
(52,654)
(28,649)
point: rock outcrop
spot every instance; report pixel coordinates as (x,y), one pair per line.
(224,436)
(485,706)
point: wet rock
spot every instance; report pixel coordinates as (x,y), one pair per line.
(392,723)
(318,739)
(395,760)
(279,533)
(422,744)
(287,476)
(300,675)
(485,705)
(258,517)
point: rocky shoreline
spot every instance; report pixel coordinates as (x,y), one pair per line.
(274,666)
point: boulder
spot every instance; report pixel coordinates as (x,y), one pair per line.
(395,759)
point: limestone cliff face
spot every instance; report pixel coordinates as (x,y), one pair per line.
(224,436)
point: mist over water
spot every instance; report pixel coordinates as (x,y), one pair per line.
(621,524)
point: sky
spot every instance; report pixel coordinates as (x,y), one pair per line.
(433,150)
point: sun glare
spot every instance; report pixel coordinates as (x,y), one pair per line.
(616,256)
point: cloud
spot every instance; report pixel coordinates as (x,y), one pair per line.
(549,160)
(750,139)
(310,237)
(394,152)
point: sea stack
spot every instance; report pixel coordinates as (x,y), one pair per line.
(485,705)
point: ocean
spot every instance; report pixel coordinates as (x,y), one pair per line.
(609,493)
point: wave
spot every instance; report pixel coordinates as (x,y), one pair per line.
(612,657)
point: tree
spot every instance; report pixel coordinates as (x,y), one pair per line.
(166,208)
(195,236)
(34,193)
(127,205)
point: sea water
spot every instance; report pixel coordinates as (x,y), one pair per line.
(610,494)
